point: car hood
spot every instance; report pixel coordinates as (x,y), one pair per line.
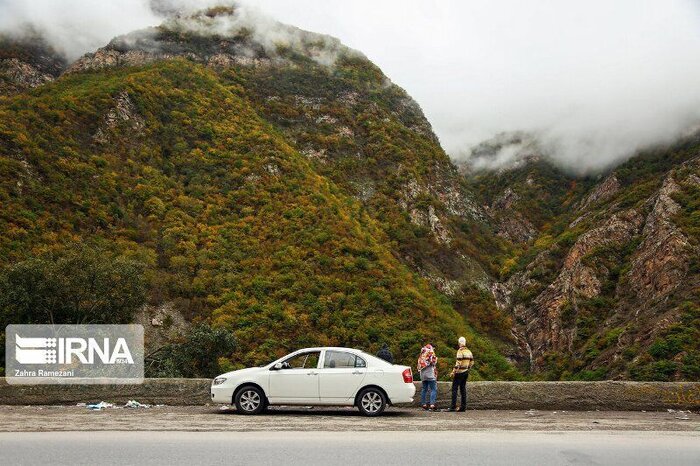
(241,372)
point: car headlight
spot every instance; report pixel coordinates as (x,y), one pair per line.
(219,380)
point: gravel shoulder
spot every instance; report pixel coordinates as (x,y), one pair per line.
(211,418)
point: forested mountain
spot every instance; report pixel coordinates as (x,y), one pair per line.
(257,200)
(270,184)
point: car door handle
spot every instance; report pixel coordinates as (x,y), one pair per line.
(358,372)
(312,373)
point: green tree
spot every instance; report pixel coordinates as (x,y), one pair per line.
(196,354)
(81,284)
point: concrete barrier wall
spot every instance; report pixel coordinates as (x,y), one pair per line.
(625,396)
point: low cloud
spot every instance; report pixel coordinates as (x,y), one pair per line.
(75,27)
(594,81)
(263,31)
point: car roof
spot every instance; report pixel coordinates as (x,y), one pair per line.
(332,348)
(364,354)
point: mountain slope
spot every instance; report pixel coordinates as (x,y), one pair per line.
(608,286)
(170,163)
(355,126)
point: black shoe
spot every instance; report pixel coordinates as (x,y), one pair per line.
(450,410)
(461,410)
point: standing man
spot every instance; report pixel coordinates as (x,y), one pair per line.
(385,354)
(460,374)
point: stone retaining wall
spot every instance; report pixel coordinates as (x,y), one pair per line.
(624,396)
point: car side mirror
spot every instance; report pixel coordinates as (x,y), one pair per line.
(277,366)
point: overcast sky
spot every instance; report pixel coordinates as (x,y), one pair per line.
(594,79)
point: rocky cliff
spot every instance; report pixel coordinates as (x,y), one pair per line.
(27,61)
(608,286)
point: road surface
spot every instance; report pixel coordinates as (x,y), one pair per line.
(352,448)
(211,418)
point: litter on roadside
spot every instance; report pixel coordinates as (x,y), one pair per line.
(135,404)
(99,406)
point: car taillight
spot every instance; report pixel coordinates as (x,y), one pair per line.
(408,376)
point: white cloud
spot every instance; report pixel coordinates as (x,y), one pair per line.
(596,79)
(75,27)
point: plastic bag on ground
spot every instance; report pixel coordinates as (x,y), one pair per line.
(135,404)
(99,406)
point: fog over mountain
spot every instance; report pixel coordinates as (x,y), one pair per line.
(592,81)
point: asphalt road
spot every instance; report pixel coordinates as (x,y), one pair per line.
(351,448)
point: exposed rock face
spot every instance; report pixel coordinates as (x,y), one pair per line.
(123,113)
(632,260)
(616,231)
(510,223)
(162,324)
(23,75)
(575,282)
(604,191)
(452,196)
(663,257)
(27,62)
(113,55)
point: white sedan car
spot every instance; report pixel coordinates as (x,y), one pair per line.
(317,376)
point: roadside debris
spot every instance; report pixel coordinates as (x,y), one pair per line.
(135,404)
(99,406)
(681,414)
(129,404)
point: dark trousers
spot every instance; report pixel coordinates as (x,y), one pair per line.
(460,383)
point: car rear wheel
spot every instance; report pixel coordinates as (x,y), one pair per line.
(250,400)
(371,402)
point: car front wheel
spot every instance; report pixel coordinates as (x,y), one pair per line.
(250,400)
(371,402)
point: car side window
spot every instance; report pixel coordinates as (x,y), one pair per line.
(341,359)
(302,361)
